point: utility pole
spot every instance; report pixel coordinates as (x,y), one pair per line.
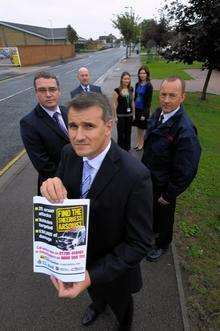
(51,30)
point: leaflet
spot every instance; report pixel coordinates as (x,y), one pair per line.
(60,236)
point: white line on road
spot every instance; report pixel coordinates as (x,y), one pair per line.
(12,95)
(99,81)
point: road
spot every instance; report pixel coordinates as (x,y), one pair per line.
(17,95)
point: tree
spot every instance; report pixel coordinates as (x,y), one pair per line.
(153,32)
(197,30)
(71,34)
(128,26)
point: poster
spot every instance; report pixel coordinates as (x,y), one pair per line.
(60,235)
(9,56)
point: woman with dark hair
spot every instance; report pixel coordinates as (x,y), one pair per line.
(142,98)
(123,110)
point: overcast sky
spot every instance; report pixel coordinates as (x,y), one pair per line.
(89,18)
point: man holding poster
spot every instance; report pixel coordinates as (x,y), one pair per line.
(120,222)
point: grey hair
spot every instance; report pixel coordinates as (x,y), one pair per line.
(173,79)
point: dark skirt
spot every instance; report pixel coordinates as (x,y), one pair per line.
(141,118)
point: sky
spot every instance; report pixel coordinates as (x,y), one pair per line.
(89,18)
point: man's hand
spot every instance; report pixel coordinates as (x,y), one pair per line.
(71,290)
(162,201)
(53,190)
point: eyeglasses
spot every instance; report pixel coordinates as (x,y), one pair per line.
(45,90)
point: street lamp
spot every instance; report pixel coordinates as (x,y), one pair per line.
(51,29)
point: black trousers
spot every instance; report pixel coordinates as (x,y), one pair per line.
(124,125)
(118,298)
(163,219)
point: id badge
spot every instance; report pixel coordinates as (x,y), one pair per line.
(128,110)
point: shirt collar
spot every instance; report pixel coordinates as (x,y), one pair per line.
(85,86)
(166,116)
(97,161)
(51,112)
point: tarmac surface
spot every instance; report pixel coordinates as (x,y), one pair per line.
(193,85)
(29,301)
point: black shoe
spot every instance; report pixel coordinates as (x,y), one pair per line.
(89,316)
(155,254)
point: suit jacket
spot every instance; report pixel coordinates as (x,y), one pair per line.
(79,89)
(43,141)
(120,224)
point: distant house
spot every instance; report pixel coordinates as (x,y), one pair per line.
(107,39)
(14,34)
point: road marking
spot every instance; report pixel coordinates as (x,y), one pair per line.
(67,72)
(12,162)
(12,95)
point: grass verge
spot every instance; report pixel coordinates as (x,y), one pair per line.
(197,219)
(161,69)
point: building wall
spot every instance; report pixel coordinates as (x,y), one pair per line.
(35,54)
(11,37)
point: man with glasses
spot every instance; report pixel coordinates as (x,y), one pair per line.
(44,130)
(171,152)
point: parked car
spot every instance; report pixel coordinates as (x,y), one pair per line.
(69,240)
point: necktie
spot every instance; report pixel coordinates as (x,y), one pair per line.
(160,121)
(86,179)
(56,119)
(86,88)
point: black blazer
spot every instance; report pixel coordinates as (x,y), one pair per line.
(43,141)
(79,89)
(120,228)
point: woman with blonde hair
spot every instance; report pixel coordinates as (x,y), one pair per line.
(123,110)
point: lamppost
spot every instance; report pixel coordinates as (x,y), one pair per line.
(51,30)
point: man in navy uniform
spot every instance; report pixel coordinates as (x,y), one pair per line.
(171,153)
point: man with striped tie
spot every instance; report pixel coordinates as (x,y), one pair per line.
(120,222)
(85,86)
(44,129)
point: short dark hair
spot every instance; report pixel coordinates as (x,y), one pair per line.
(45,75)
(173,79)
(86,100)
(147,71)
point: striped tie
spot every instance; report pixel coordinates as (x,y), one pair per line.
(86,179)
(56,119)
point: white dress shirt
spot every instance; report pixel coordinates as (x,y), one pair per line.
(166,116)
(85,87)
(51,113)
(96,162)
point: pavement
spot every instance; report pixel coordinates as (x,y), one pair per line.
(28,300)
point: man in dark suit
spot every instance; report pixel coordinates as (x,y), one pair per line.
(171,152)
(84,87)
(120,209)
(44,129)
